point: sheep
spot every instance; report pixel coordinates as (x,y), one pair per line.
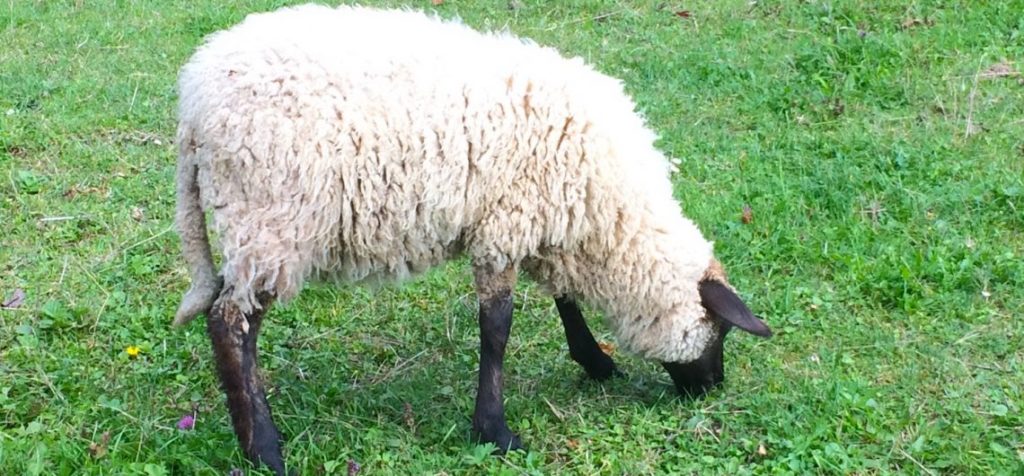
(361,145)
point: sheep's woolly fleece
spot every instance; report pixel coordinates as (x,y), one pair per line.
(359,144)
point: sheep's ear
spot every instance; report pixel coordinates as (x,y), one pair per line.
(727,306)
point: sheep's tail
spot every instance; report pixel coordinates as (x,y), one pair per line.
(195,244)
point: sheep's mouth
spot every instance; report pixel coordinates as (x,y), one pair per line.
(691,380)
(695,378)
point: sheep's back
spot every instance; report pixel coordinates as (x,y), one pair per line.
(332,141)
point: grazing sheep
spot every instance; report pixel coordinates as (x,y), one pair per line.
(356,144)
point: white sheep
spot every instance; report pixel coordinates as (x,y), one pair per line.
(353,143)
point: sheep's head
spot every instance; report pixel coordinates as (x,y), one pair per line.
(725,310)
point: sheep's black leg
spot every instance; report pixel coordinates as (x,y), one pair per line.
(233,334)
(582,346)
(494,291)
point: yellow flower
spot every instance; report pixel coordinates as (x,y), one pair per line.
(133,351)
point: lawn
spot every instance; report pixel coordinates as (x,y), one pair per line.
(878,149)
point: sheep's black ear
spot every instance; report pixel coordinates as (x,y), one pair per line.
(727,306)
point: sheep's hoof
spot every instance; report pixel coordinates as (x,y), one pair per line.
(601,368)
(604,373)
(503,439)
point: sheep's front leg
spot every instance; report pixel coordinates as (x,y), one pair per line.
(233,334)
(582,346)
(494,290)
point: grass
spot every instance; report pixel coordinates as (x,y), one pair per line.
(880,159)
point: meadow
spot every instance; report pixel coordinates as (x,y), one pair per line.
(860,166)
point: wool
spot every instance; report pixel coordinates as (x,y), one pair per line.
(357,145)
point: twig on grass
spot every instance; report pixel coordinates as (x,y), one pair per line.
(106,297)
(558,414)
(918,463)
(969,127)
(63,271)
(147,240)
(401,365)
(61,218)
(49,383)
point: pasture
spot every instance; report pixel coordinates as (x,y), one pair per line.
(860,168)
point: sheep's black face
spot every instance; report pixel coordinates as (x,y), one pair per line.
(726,310)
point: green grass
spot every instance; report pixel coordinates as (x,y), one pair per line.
(883,169)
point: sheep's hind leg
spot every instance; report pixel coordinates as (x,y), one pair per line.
(234,334)
(494,290)
(582,347)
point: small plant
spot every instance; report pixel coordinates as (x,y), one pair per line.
(29,182)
